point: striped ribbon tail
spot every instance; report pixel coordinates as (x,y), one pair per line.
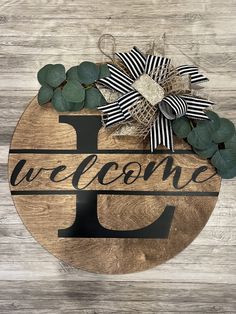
(117,81)
(161,133)
(193,72)
(196,106)
(157,67)
(134,61)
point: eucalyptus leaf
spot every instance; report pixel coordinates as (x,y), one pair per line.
(72,73)
(208,152)
(104,71)
(88,72)
(76,106)
(200,137)
(73,92)
(45,94)
(224,159)
(225,131)
(181,127)
(56,75)
(228,174)
(213,124)
(59,102)
(231,143)
(42,73)
(94,98)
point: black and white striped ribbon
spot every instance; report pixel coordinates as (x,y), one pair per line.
(118,111)
(112,114)
(173,106)
(193,72)
(161,133)
(118,80)
(157,67)
(126,101)
(184,105)
(134,61)
(195,107)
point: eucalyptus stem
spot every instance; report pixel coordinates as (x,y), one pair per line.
(191,123)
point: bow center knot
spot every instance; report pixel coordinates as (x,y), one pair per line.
(149,89)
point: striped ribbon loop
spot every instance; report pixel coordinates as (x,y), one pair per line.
(195,107)
(117,81)
(193,72)
(161,133)
(157,67)
(112,114)
(134,61)
(173,107)
(126,101)
(118,111)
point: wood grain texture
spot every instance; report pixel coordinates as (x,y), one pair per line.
(44,215)
(203,277)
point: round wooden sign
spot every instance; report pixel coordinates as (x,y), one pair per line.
(102,203)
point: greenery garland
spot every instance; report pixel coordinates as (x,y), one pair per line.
(214,139)
(72,90)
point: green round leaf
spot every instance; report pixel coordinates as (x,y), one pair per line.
(76,106)
(73,91)
(181,127)
(231,143)
(225,131)
(227,174)
(208,152)
(213,124)
(72,73)
(45,94)
(56,75)
(88,72)
(224,159)
(42,73)
(200,137)
(94,98)
(59,102)
(104,71)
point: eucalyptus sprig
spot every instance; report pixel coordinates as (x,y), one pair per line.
(214,139)
(74,89)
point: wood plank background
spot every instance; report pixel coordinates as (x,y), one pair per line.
(32,33)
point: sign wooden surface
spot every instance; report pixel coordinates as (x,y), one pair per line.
(46,206)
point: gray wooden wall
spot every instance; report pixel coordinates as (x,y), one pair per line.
(35,32)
